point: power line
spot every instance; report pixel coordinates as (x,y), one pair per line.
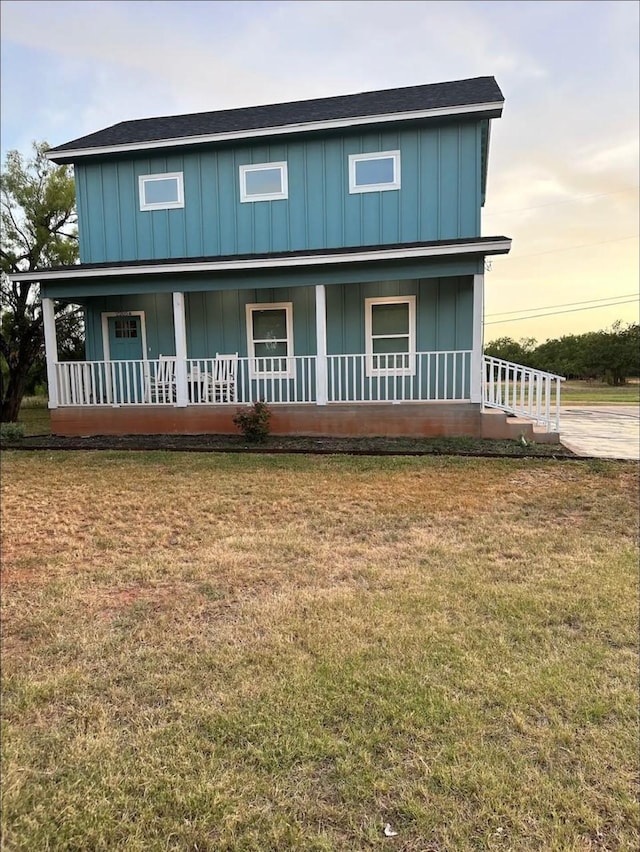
(570,248)
(574,200)
(557,313)
(564,305)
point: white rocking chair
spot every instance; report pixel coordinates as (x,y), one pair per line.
(225,369)
(162,380)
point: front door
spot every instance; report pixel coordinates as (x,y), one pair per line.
(125,338)
(126,381)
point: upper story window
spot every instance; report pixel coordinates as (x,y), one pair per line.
(162,191)
(270,339)
(390,330)
(263,182)
(374,172)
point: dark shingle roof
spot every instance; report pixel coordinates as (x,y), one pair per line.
(458,93)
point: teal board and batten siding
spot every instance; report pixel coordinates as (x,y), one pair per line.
(444,323)
(216,320)
(158,315)
(439,198)
(444,313)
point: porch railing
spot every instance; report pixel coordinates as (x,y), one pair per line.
(400,377)
(394,377)
(522,391)
(112,383)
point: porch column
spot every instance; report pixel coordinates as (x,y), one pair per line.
(478,338)
(321,345)
(50,349)
(180,328)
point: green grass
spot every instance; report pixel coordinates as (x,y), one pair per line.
(598,393)
(34,414)
(267,653)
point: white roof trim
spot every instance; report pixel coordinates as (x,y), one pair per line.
(494,247)
(179,141)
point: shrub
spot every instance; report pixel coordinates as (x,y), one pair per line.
(254,422)
(11,431)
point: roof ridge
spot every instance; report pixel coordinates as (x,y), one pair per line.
(307,101)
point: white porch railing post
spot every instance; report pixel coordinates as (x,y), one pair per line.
(51,349)
(180,329)
(321,345)
(476,377)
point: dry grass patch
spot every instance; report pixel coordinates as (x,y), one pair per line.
(227,652)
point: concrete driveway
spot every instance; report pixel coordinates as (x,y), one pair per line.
(603,431)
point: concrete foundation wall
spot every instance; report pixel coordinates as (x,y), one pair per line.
(364,420)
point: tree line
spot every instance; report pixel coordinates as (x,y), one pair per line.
(609,355)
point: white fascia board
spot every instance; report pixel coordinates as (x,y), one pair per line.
(417,252)
(179,141)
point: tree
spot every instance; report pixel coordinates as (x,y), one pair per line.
(613,355)
(38,230)
(563,355)
(511,350)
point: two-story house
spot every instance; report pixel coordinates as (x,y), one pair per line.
(323,255)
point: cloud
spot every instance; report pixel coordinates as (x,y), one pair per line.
(569,72)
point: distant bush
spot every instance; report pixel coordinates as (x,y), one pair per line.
(254,422)
(11,431)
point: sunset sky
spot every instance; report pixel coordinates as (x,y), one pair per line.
(564,160)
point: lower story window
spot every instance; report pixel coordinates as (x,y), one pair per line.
(390,330)
(270,339)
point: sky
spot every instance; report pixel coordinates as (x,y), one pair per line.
(564,157)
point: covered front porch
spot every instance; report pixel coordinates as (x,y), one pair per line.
(388,340)
(361,345)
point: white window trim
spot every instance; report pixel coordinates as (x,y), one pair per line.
(390,300)
(161,205)
(374,187)
(289,373)
(124,314)
(265,196)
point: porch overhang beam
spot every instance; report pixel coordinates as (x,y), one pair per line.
(480,247)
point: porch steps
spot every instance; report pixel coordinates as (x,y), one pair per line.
(499,425)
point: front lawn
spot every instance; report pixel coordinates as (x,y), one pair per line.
(598,393)
(228,652)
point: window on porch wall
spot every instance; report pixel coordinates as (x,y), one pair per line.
(125,328)
(270,339)
(390,335)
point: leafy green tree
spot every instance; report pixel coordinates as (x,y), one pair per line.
(563,355)
(613,355)
(521,352)
(38,230)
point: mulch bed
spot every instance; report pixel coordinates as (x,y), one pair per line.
(284,444)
